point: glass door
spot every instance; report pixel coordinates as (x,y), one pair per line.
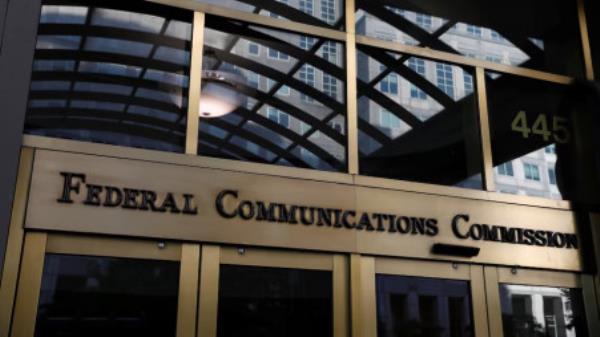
(271,293)
(533,303)
(95,286)
(413,298)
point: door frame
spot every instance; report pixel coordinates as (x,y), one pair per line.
(214,256)
(364,292)
(38,244)
(494,276)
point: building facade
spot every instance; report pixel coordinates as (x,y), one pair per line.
(290,168)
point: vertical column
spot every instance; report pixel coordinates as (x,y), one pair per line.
(492,295)
(486,144)
(479,304)
(363,303)
(340,296)
(351,92)
(585,41)
(209,291)
(8,286)
(193,113)
(16,53)
(590,298)
(188,290)
(30,282)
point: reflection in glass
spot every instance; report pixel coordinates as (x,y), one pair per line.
(417,119)
(531,311)
(511,32)
(111,72)
(531,135)
(423,307)
(272,97)
(101,296)
(327,13)
(273,302)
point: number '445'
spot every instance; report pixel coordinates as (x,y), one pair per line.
(540,127)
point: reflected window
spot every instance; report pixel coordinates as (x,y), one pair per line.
(532,311)
(506,169)
(418,306)
(263,301)
(531,129)
(325,13)
(114,73)
(287,119)
(552,176)
(518,33)
(101,296)
(415,121)
(532,172)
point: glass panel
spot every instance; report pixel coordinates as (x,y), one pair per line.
(279,97)
(113,73)
(531,311)
(327,13)
(417,120)
(101,296)
(592,10)
(423,307)
(531,136)
(518,33)
(274,302)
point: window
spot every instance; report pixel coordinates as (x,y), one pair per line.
(253,79)
(253,48)
(284,90)
(278,116)
(330,86)
(495,35)
(307,6)
(329,51)
(306,42)
(474,30)
(445,79)
(434,307)
(550,149)
(468,81)
(552,176)
(493,58)
(506,169)
(389,84)
(532,172)
(307,75)
(328,11)
(388,120)
(276,54)
(418,66)
(424,21)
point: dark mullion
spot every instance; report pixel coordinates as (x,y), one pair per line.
(291,13)
(114,33)
(106,97)
(83,39)
(109,115)
(278,76)
(107,126)
(407,27)
(250,136)
(102,78)
(140,62)
(145,69)
(403,58)
(419,81)
(389,104)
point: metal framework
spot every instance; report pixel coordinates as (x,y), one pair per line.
(354,275)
